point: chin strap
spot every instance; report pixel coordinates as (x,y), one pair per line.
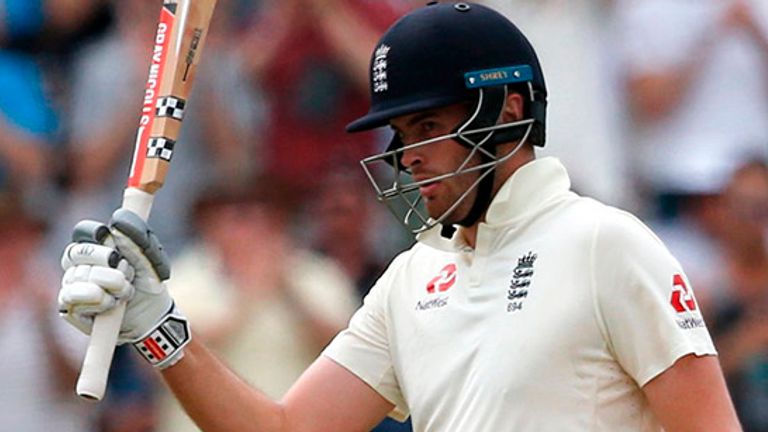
(483,197)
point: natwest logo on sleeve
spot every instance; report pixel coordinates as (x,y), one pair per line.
(444,280)
(682,301)
(682,297)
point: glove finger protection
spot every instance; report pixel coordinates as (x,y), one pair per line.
(152,323)
(95,276)
(133,267)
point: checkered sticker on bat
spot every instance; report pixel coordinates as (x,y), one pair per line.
(160,147)
(171,5)
(170,106)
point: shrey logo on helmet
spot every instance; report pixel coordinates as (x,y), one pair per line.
(436,56)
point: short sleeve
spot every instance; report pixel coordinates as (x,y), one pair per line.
(644,300)
(364,347)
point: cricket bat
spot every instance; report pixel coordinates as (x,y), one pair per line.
(176,50)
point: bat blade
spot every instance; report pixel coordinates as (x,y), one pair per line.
(176,50)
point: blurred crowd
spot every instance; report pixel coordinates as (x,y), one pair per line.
(656,106)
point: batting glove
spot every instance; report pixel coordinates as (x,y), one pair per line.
(123,261)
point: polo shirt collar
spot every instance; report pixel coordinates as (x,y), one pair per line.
(525,192)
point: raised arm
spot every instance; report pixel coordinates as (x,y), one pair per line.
(654,95)
(327,397)
(351,36)
(741,15)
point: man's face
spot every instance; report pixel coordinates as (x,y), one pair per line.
(438,158)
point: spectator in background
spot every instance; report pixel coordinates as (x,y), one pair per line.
(740,322)
(28,121)
(311,57)
(696,81)
(341,214)
(265,304)
(696,76)
(31,33)
(571,37)
(38,378)
(40,357)
(25,21)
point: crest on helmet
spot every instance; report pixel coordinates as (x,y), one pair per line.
(379,69)
(440,55)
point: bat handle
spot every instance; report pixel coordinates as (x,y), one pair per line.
(138,201)
(98,357)
(106,326)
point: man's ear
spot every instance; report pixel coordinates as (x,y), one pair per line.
(513,109)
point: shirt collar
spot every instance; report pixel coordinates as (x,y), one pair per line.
(525,192)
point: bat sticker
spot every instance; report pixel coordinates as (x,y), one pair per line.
(192,50)
(160,147)
(170,106)
(156,69)
(170,5)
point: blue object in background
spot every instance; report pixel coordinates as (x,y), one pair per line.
(24,104)
(22,17)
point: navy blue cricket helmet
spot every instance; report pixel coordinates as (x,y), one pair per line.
(425,60)
(443,54)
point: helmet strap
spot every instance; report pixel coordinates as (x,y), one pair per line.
(491,101)
(483,197)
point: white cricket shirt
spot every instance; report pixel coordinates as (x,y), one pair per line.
(553,322)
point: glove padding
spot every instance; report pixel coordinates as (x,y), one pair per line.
(124,260)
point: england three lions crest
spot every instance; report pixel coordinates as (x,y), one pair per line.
(522,275)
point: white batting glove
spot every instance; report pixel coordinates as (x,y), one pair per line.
(123,261)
